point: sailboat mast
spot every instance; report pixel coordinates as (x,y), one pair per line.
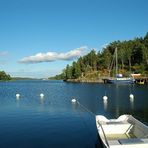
(116,61)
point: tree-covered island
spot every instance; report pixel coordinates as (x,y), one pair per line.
(4,76)
(132,58)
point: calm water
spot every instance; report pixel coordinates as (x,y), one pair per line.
(53,121)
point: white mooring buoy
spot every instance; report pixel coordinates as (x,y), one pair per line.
(17,95)
(42,95)
(131,96)
(73,100)
(105,97)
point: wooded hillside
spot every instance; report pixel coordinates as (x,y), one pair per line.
(132,58)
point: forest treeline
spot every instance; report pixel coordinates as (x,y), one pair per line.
(4,76)
(132,58)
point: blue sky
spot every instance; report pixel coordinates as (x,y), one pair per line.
(38,38)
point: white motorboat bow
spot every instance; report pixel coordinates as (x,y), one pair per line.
(124,132)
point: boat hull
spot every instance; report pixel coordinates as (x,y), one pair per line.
(123,132)
(121,81)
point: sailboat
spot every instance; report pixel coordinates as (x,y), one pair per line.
(119,79)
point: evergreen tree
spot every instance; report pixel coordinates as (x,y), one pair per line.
(68,72)
(76,70)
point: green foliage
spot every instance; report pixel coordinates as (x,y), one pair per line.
(68,72)
(58,77)
(132,57)
(76,70)
(4,76)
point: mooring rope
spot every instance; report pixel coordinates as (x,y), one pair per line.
(86,109)
(97,121)
(84,122)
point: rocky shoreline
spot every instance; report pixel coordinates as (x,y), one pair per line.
(85,80)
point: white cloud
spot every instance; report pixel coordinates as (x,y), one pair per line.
(53,56)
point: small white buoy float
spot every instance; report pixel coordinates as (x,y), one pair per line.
(17,96)
(73,100)
(42,95)
(105,98)
(131,96)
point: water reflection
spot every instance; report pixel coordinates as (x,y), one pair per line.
(132,103)
(117,112)
(105,103)
(17,102)
(117,101)
(42,100)
(74,105)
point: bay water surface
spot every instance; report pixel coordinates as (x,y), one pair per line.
(53,121)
